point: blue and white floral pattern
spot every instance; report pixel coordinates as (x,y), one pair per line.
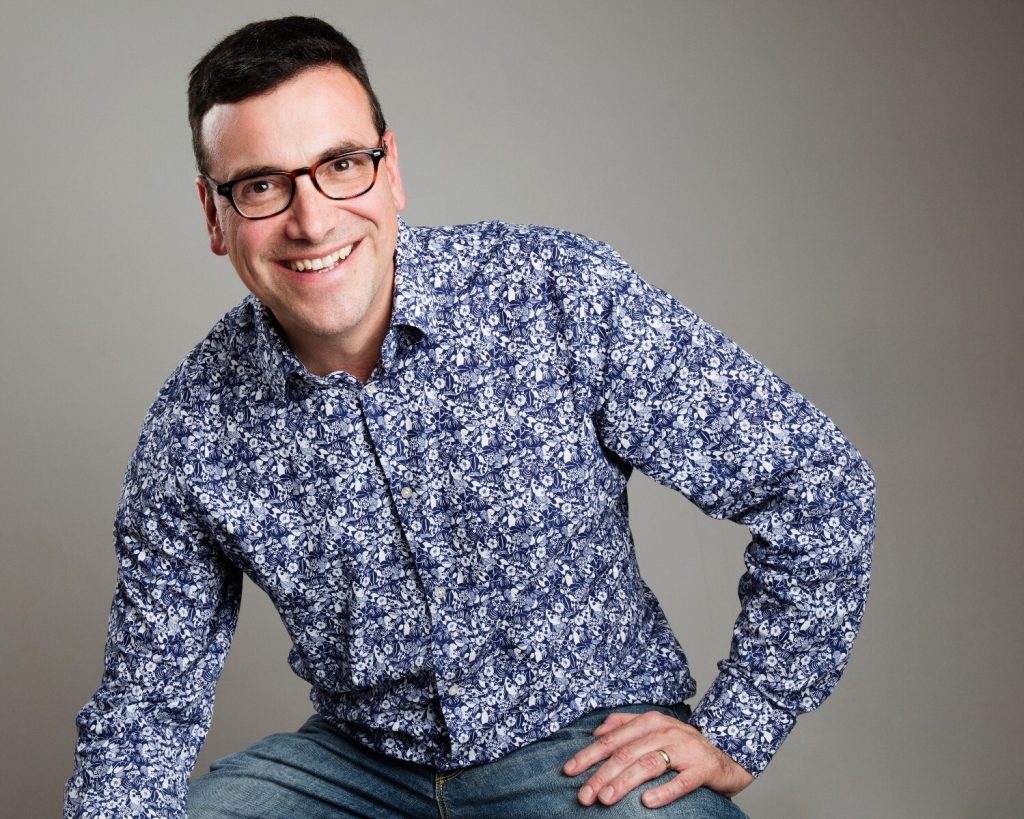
(448,544)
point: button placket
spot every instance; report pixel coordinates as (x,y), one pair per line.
(385,415)
(388,418)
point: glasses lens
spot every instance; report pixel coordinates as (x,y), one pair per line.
(262,195)
(347,175)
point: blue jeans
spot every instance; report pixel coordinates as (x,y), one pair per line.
(318,773)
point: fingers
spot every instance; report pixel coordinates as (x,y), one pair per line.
(613,721)
(632,748)
(678,786)
(645,767)
(719,773)
(612,734)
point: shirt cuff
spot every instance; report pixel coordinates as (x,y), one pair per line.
(738,719)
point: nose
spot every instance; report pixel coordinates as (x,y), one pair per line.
(311,215)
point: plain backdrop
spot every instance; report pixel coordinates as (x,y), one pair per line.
(837,185)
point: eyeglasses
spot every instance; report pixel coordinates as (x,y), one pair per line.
(344,176)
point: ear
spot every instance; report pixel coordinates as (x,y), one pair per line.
(208,199)
(393,171)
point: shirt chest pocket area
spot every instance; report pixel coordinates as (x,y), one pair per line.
(524,462)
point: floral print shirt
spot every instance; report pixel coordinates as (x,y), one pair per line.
(448,544)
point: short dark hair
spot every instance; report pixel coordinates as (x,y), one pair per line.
(262,55)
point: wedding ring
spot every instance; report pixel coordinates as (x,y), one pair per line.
(666,757)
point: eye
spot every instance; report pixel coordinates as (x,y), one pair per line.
(259,187)
(345,175)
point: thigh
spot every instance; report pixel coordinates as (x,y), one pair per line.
(314,773)
(529,783)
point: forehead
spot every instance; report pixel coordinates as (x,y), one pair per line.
(290,125)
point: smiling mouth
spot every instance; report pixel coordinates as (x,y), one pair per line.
(323,263)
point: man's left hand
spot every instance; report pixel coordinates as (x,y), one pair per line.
(634,747)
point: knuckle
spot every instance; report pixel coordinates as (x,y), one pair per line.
(688,781)
(652,762)
(623,756)
(674,788)
(606,741)
(598,779)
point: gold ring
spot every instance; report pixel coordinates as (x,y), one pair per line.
(666,757)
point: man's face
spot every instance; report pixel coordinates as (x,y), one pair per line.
(344,307)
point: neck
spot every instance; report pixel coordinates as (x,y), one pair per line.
(357,357)
(356,351)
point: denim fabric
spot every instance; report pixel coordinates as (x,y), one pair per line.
(317,773)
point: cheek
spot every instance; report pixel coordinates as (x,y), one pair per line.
(246,241)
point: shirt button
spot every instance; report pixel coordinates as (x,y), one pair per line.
(454,690)
(439,593)
(406,492)
(370,389)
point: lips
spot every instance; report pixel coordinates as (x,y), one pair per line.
(322,263)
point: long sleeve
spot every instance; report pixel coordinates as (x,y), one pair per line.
(685,405)
(171,623)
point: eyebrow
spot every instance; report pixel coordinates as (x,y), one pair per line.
(339,148)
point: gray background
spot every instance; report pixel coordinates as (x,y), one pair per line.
(837,185)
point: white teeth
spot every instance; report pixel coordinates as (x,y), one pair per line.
(323,263)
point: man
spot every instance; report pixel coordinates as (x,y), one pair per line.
(417,442)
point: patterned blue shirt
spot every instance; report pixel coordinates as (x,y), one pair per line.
(448,543)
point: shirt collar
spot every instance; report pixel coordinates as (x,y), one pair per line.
(276,360)
(414,305)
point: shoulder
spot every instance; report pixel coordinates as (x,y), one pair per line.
(221,368)
(508,242)
(225,357)
(531,258)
